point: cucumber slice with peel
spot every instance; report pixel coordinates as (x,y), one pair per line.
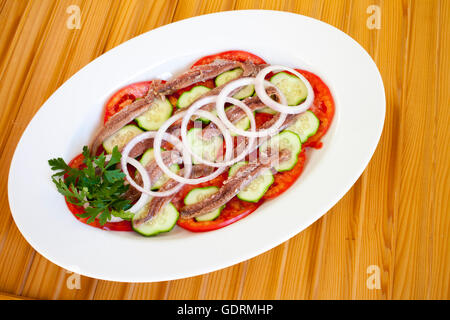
(121,138)
(188,97)
(254,191)
(228,76)
(163,221)
(266,110)
(207,149)
(291,86)
(149,156)
(159,112)
(305,126)
(284,140)
(199,194)
(243,124)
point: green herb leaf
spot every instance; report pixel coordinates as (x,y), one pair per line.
(99,186)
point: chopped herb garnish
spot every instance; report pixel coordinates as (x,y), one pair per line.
(98,186)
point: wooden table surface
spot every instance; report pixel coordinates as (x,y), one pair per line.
(395,218)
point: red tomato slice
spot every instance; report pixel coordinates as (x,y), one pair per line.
(261,118)
(323,107)
(124,97)
(283,180)
(77,162)
(234,210)
(236,55)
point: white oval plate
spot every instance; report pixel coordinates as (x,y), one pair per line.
(69,117)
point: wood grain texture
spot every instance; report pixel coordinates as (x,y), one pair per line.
(395,216)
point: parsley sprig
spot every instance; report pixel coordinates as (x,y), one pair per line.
(98,186)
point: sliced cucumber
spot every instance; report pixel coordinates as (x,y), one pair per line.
(204,120)
(235,167)
(228,76)
(245,92)
(163,221)
(284,140)
(254,191)
(121,137)
(267,110)
(207,149)
(243,124)
(188,97)
(291,86)
(199,194)
(147,157)
(305,126)
(159,112)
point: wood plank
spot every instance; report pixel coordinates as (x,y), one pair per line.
(7,296)
(439,278)
(412,213)
(395,217)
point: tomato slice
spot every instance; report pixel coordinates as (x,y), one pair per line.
(323,107)
(236,55)
(77,162)
(124,97)
(284,180)
(234,210)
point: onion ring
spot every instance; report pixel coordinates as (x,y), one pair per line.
(193,109)
(186,156)
(220,107)
(125,159)
(260,85)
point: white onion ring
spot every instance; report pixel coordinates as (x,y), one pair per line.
(144,198)
(220,107)
(125,159)
(260,85)
(193,109)
(186,156)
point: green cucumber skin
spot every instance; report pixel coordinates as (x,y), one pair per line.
(296,155)
(231,75)
(156,231)
(244,92)
(213,214)
(192,132)
(129,126)
(294,135)
(234,168)
(300,99)
(294,128)
(196,190)
(236,124)
(223,78)
(186,94)
(262,194)
(149,127)
(145,159)
(199,219)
